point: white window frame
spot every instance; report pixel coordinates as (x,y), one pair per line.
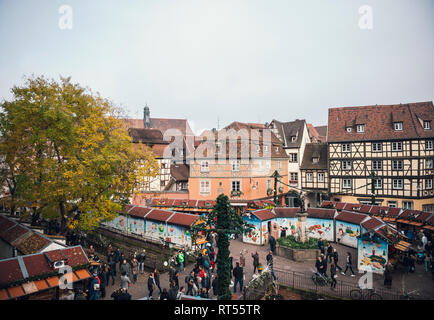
(378,183)
(428,184)
(346,147)
(346,185)
(375,146)
(292,156)
(360,128)
(265,148)
(293,138)
(346,165)
(395,146)
(429,144)
(392,204)
(321,176)
(429,164)
(408,205)
(218,148)
(235,165)
(396,185)
(315,160)
(237,184)
(205,187)
(309,177)
(397,165)
(397,126)
(377,164)
(427,125)
(204,166)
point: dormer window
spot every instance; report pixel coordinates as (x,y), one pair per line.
(360,128)
(397,126)
(258,147)
(265,148)
(315,160)
(293,138)
(218,148)
(348,129)
(427,125)
(277,149)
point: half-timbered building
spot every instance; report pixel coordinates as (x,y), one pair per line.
(395,142)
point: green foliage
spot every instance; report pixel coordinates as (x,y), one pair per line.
(291,242)
(224,221)
(66,152)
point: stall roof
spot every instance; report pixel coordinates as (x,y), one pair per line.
(183,219)
(351,206)
(139,212)
(285,212)
(378,210)
(327,203)
(351,217)
(26,240)
(366,208)
(264,214)
(393,212)
(321,213)
(372,223)
(340,205)
(159,215)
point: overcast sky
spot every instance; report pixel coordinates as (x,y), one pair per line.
(245,60)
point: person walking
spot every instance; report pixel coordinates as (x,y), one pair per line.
(336,259)
(102,275)
(112,269)
(125,281)
(157,279)
(349,265)
(388,275)
(141,260)
(125,267)
(319,265)
(94,287)
(427,261)
(329,252)
(151,284)
(272,242)
(215,285)
(324,263)
(135,269)
(206,282)
(321,245)
(181,261)
(255,257)
(238,277)
(333,275)
(270,264)
(172,272)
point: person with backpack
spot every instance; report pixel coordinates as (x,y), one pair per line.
(349,265)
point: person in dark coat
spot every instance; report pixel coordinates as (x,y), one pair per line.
(215,285)
(388,275)
(324,264)
(272,244)
(238,277)
(321,245)
(333,275)
(336,259)
(151,285)
(102,275)
(270,264)
(319,265)
(164,295)
(206,282)
(329,252)
(172,272)
(157,279)
(173,291)
(255,257)
(124,295)
(349,265)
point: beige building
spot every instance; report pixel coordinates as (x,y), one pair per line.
(395,142)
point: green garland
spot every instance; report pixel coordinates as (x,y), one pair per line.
(38,277)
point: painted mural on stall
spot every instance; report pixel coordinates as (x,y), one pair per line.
(347,233)
(372,254)
(254,235)
(136,226)
(287,226)
(155,229)
(179,235)
(320,228)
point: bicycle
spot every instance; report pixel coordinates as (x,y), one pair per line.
(320,280)
(365,294)
(410,295)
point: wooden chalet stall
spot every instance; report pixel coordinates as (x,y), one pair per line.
(429,225)
(412,221)
(285,222)
(260,221)
(37,276)
(320,223)
(348,227)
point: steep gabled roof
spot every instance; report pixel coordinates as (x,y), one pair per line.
(290,129)
(351,217)
(378,121)
(315,150)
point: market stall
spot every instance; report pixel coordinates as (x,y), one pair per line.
(320,223)
(348,227)
(260,223)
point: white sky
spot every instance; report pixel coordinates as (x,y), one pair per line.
(244,60)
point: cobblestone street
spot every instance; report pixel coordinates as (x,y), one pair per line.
(419,280)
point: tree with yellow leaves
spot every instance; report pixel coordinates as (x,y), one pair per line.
(67,155)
